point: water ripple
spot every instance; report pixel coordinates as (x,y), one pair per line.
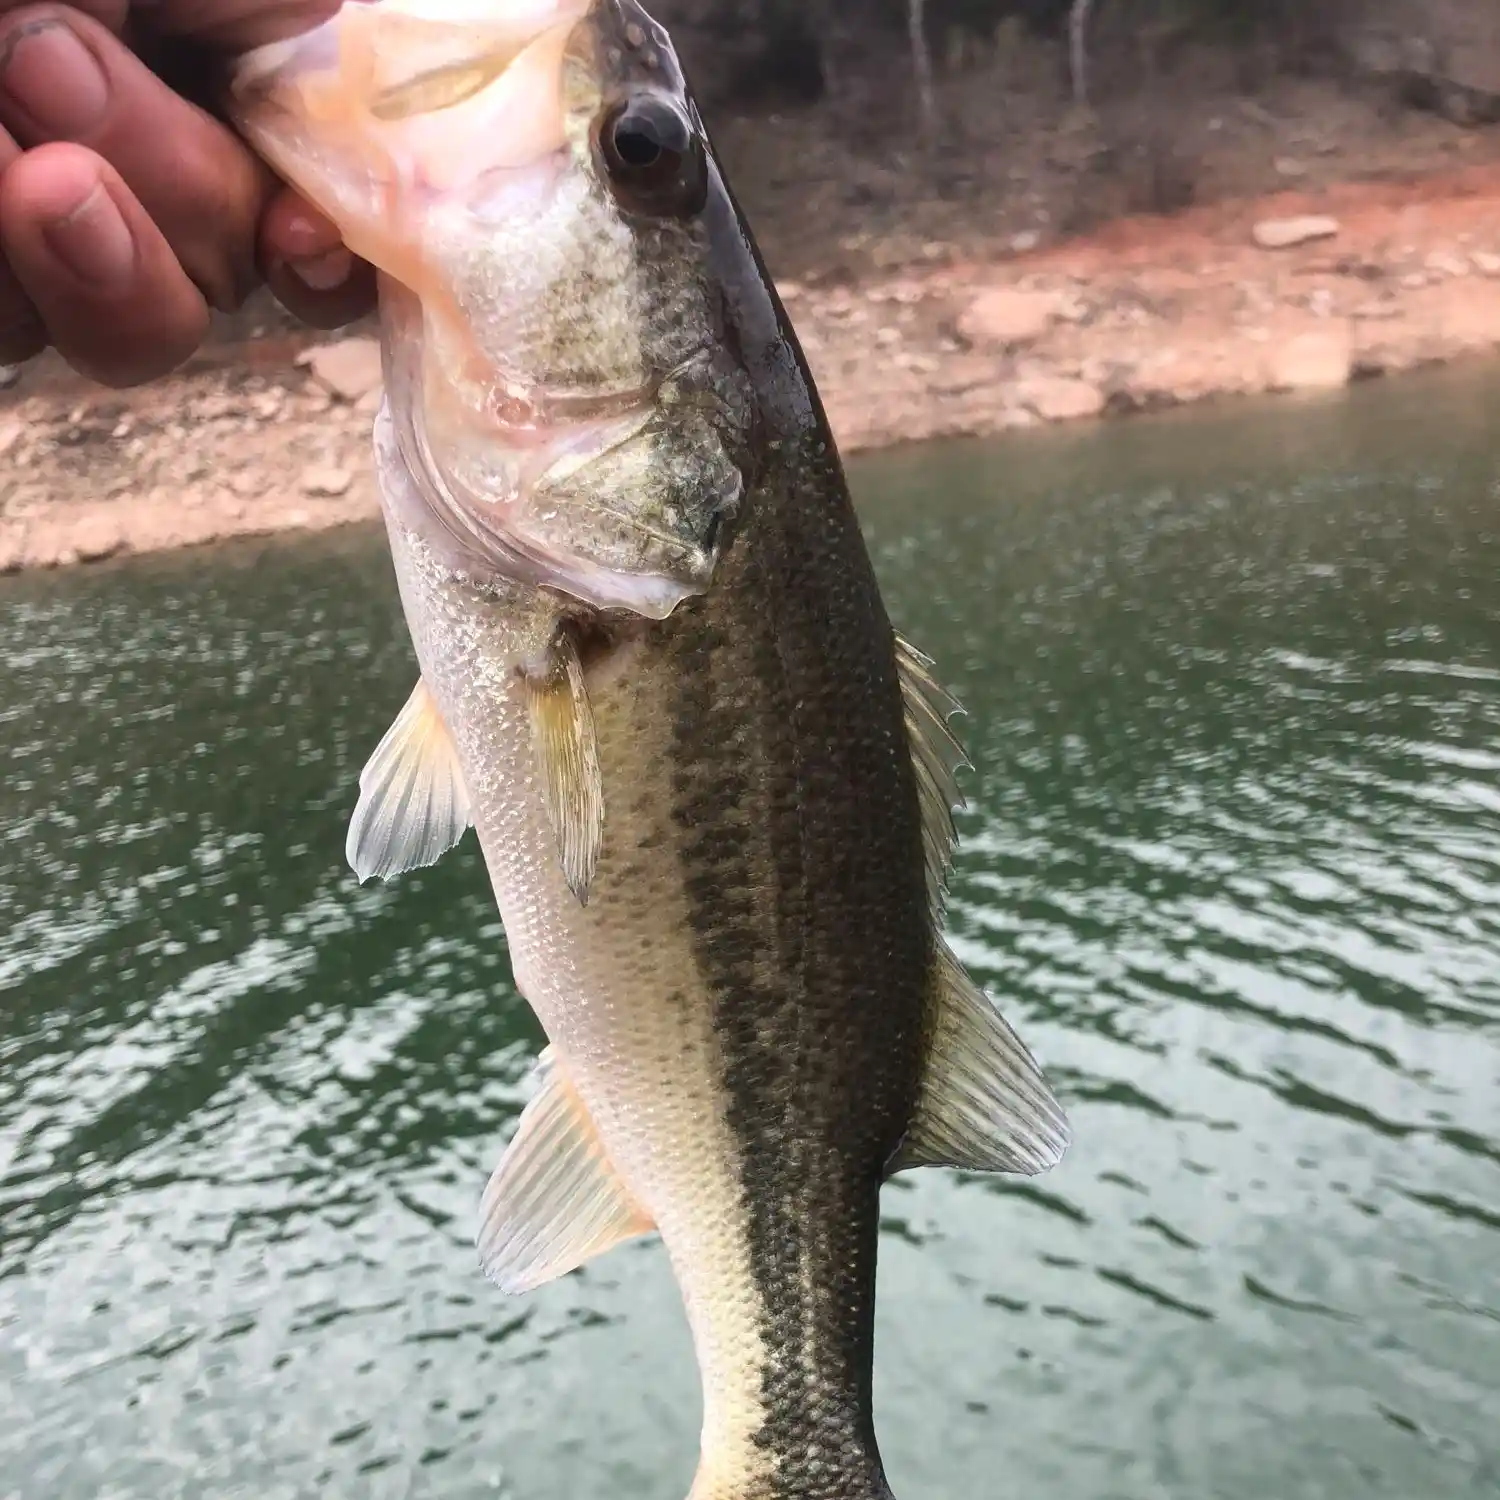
(1231,863)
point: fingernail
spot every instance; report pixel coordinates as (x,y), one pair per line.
(94,242)
(52,80)
(322,273)
(303,237)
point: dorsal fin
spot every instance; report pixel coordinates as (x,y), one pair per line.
(937,757)
(984,1104)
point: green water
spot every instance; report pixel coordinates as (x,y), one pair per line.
(1232,860)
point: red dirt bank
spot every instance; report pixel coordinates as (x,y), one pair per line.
(1142,314)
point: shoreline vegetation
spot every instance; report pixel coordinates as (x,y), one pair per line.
(1182,239)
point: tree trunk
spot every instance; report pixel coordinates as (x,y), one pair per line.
(921,58)
(1078,54)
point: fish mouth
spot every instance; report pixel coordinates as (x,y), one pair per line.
(395,109)
(362,111)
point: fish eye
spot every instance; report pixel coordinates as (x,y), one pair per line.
(654,158)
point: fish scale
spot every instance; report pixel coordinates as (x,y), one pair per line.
(713,788)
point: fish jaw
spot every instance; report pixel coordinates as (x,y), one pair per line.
(362,112)
(565,404)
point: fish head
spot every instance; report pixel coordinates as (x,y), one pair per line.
(531,179)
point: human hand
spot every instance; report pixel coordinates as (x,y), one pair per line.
(128,212)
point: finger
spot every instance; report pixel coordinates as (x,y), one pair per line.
(116,303)
(307,267)
(112,14)
(231,26)
(21,331)
(22,334)
(65,77)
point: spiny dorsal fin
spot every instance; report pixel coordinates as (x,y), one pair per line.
(567,756)
(413,805)
(984,1105)
(937,757)
(554,1201)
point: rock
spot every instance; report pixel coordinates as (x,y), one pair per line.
(10,375)
(1459,318)
(1446,263)
(1056,399)
(1004,317)
(918,364)
(1376,311)
(11,430)
(96,538)
(1486,262)
(1322,360)
(964,372)
(1200,365)
(349,369)
(1025,242)
(326,483)
(1282,234)
(24,500)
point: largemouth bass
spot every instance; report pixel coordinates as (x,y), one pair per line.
(713,788)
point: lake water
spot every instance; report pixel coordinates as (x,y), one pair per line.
(1231,860)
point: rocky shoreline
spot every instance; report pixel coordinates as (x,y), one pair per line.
(1300,292)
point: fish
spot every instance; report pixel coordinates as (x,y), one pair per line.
(713,787)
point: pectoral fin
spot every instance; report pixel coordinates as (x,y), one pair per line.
(554,1201)
(937,757)
(413,805)
(567,755)
(984,1104)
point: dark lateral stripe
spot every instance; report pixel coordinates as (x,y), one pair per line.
(809,1184)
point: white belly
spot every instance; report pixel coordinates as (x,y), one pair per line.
(615,984)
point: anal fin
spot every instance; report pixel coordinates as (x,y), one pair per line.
(984,1105)
(413,806)
(567,754)
(555,1200)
